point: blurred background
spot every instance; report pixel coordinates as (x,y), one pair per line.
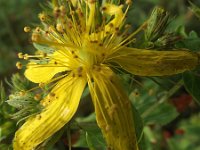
(176,133)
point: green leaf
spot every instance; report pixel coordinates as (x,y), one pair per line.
(192,85)
(91,135)
(191,41)
(152,104)
(162,115)
(138,128)
(43,48)
(2,94)
(195,9)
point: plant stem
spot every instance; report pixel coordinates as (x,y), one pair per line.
(171,92)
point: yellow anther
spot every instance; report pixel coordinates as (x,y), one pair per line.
(26,56)
(22,93)
(20,55)
(37,97)
(129,2)
(35,37)
(44,55)
(111,25)
(19,65)
(104,8)
(27,29)
(59,27)
(37,29)
(51,95)
(79,69)
(43,17)
(62,9)
(56,11)
(41,85)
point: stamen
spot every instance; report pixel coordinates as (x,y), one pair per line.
(27,29)
(59,28)
(37,97)
(19,65)
(42,16)
(20,55)
(129,2)
(35,37)
(41,85)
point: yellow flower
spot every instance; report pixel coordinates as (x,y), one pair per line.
(82,45)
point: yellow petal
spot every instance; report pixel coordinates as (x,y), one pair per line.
(116,22)
(65,100)
(113,110)
(155,63)
(44,72)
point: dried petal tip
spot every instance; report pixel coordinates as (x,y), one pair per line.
(27,29)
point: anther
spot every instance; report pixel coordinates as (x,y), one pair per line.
(51,95)
(56,12)
(129,2)
(44,55)
(103,54)
(59,27)
(75,56)
(37,29)
(26,56)
(103,8)
(46,32)
(111,25)
(41,85)
(20,55)
(19,65)
(79,69)
(27,29)
(37,97)
(42,17)
(62,9)
(35,37)
(22,93)
(117,29)
(73,75)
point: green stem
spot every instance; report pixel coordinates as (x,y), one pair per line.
(69,137)
(162,99)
